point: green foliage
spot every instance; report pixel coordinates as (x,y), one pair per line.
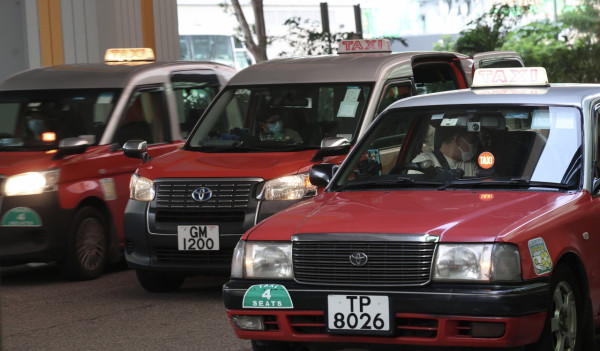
(306,38)
(489,31)
(568,50)
(446,43)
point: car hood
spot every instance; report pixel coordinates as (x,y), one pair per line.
(454,216)
(267,165)
(12,163)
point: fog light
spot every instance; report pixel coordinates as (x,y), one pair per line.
(249,322)
(487,329)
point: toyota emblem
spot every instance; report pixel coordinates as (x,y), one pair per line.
(359,259)
(201,194)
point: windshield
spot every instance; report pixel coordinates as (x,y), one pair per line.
(475,147)
(280,118)
(39,119)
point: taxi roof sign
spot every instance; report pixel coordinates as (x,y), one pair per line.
(357,46)
(514,76)
(129,54)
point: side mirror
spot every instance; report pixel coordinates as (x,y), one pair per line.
(331,146)
(136,149)
(72,146)
(321,174)
(596,186)
(334,142)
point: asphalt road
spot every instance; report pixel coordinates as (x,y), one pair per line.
(42,311)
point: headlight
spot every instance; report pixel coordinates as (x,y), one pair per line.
(31,183)
(294,187)
(477,262)
(262,260)
(141,188)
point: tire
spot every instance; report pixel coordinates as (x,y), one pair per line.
(564,320)
(86,255)
(159,282)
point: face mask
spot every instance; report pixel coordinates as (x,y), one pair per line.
(467,155)
(276,127)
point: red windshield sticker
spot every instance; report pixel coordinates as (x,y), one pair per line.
(486,160)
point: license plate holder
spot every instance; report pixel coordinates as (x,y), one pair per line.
(198,237)
(359,315)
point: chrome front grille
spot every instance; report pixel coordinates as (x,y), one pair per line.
(177,194)
(390,263)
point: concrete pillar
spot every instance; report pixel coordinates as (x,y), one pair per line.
(52,32)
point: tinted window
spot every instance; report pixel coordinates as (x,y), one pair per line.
(41,118)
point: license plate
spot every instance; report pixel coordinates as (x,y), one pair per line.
(363,314)
(198,237)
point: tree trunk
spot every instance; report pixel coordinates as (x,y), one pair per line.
(259,48)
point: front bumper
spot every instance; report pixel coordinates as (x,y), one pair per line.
(33,228)
(436,315)
(154,247)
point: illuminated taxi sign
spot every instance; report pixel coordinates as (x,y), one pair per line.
(514,76)
(356,46)
(129,54)
(48,137)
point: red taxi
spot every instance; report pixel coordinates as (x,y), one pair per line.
(63,177)
(250,153)
(460,219)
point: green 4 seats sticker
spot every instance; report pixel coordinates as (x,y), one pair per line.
(267,296)
(21,217)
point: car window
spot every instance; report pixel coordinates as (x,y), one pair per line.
(145,118)
(275,118)
(495,144)
(194,90)
(39,119)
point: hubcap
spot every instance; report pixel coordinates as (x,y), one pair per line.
(90,248)
(563,322)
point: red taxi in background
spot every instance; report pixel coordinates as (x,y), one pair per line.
(250,153)
(63,177)
(461,219)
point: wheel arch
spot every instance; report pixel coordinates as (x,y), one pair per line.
(574,262)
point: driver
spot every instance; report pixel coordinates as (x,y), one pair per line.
(457,149)
(274,129)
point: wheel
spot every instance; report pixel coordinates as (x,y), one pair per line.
(86,254)
(563,327)
(158,281)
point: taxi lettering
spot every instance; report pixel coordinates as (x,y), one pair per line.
(494,77)
(263,303)
(516,75)
(364,45)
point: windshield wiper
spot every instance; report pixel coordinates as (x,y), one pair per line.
(513,182)
(385,183)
